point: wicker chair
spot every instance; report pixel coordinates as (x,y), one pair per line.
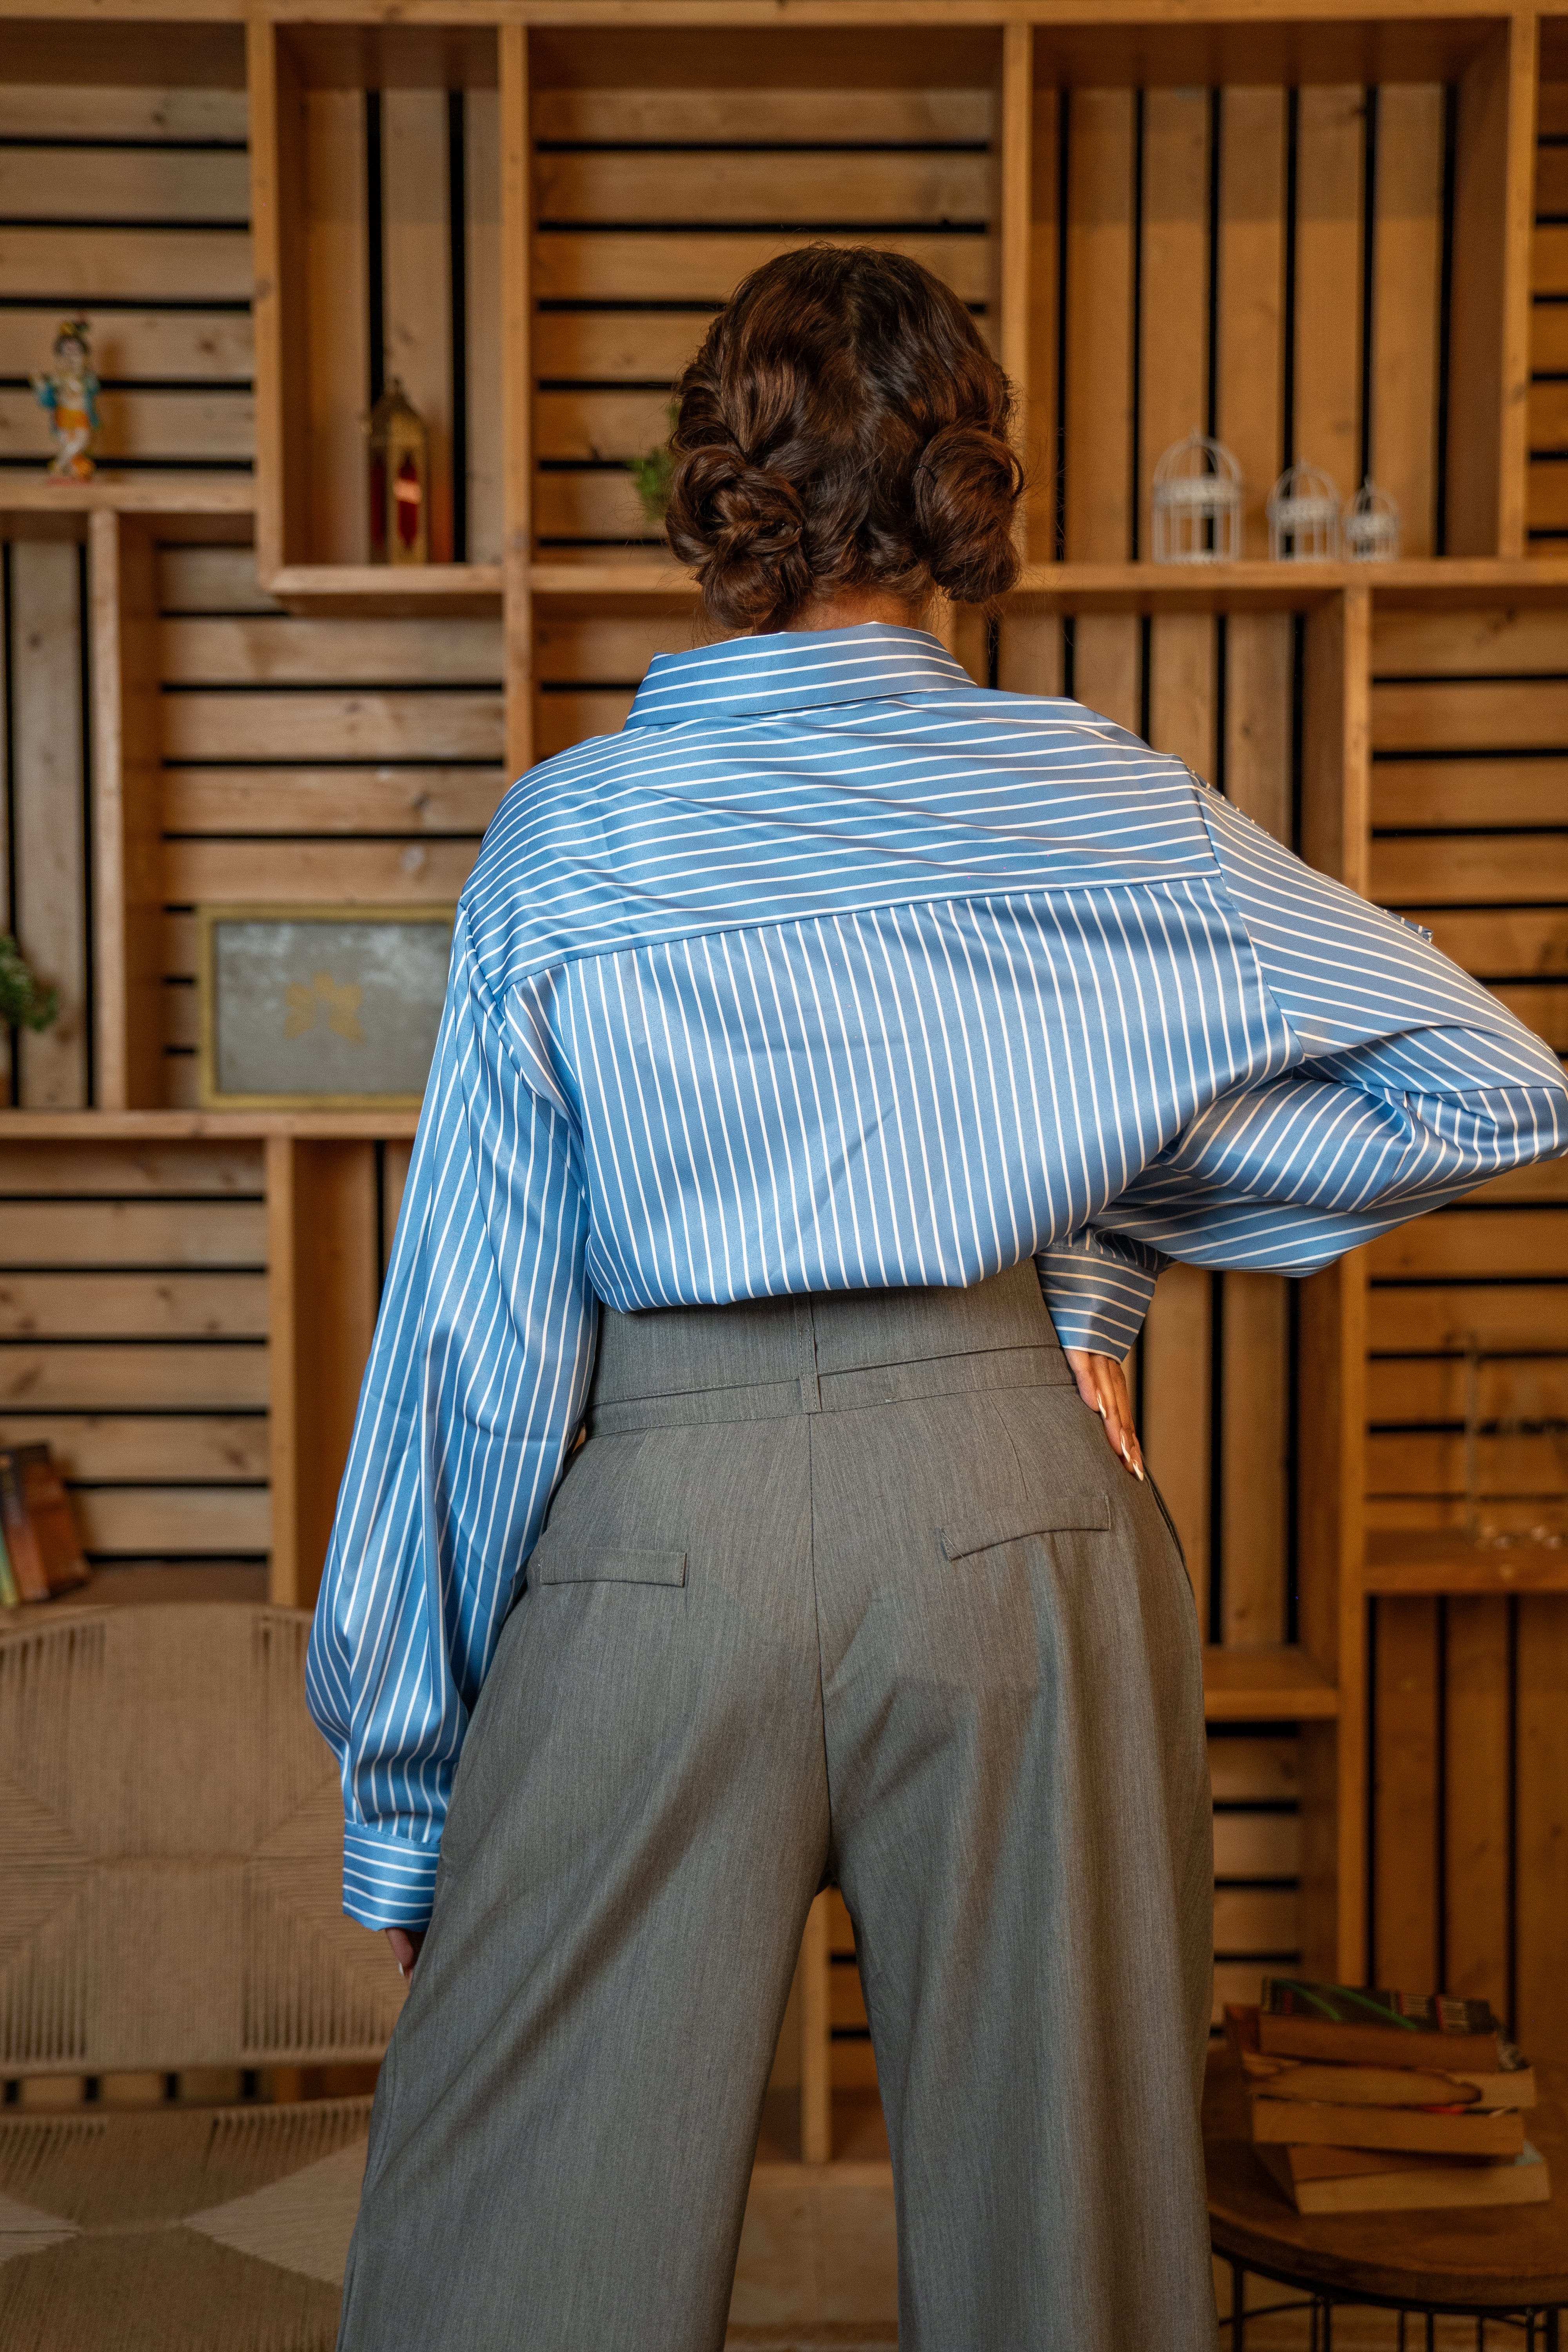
(171,1840)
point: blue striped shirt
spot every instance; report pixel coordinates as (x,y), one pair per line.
(833,971)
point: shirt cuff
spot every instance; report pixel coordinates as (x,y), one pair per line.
(388,1881)
(1098,1288)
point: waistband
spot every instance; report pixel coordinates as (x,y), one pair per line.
(834,1351)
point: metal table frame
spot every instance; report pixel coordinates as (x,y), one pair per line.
(1540,2322)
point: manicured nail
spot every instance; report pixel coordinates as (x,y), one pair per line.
(1100,1411)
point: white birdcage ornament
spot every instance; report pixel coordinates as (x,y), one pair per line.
(1304,517)
(1195,504)
(1371,525)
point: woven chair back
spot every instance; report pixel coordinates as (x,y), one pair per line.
(171,1850)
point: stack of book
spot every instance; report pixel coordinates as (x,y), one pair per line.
(40,1551)
(1386,2102)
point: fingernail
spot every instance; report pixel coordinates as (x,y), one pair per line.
(1100,1411)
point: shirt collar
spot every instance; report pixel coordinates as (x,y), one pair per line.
(801,669)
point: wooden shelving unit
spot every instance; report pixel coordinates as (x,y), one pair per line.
(1335,232)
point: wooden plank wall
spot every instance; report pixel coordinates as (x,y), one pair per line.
(402,240)
(310,760)
(1547,511)
(1467,1325)
(1265,265)
(44,819)
(133,1341)
(132,207)
(650,204)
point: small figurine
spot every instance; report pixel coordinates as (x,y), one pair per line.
(71,395)
(399,480)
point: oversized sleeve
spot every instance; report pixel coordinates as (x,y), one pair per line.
(476,1378)
(1406,1084)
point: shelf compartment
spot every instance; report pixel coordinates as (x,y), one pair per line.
(376,204)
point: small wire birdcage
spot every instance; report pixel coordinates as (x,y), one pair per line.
(1195,504)
(1304,517)
(1371,525)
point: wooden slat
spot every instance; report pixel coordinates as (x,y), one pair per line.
(1329,165)
(1500,1316)
(164,344)
(280,649)
(1029,279)
(760,116)
(1409,870)
(336,296)
(1476,1794)
(88,1167)
(418,238)
(1433,1462)
(152,1522)
(346,726)
(48,813)
(133,184)
(592,505)
(1100,294)
(1251,295)
(1182,688)
(662,266)
(831,187)
(1436,1388)
(132,1305)
(142,265)
(1541,1768)
(1406,294)
(218,1378)
(1544,1010)
(1405,1793)
(517,247)
(1453,715)
(1419,1519)
(92,110)
(1259,656)
(1264,1770)
(1489,354)
(1176,1432)
(1510,638)
(1518,940)
(1468,793)
(481,191)
(1256,1845)
(210,579)
(217,426)
(301,873)
(601,424)
(609,649)
(606,344)
(133,1233)
(1476,1242)
(1029,654)
(1174,294)
(331,799)
(1256,1919)
(1256,1433)
(563,719)
(1107,666)
(144,1447)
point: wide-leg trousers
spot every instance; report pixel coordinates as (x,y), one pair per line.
(847,1588)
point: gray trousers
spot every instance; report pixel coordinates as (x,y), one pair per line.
(846,1587)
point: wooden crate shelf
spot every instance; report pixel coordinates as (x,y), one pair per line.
(218,697)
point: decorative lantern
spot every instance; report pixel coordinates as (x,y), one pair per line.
(399,480)
(1195,504)
(1304,517)
(1372,525)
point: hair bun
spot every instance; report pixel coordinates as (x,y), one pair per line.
(742,526)
(966,487)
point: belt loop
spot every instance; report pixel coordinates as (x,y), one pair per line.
(805,1352)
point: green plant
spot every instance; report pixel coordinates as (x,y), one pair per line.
(651,474)
(25,1003)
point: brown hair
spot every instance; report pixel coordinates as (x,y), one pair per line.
(842,427)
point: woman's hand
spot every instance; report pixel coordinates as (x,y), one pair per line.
(406,1945)
(1102,1384)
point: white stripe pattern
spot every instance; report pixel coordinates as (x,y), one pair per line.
(833,971)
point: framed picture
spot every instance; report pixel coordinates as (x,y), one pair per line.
(318,1008)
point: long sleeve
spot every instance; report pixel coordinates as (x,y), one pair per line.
(1098,1285)
(1408,1084)
(476,1380)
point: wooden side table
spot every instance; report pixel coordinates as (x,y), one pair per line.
(1507,2263)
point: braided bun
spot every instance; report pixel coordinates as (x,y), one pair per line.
(843,426)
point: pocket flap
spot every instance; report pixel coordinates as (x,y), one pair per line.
(567,1563)
(1087,1510)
